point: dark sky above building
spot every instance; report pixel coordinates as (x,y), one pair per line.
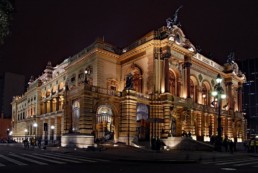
(52,30)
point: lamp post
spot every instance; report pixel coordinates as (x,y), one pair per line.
(35,125)
(25,132)
(52,132)
(87,72)
(7,134)
(219,94)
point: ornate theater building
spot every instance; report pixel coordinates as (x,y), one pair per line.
(158,87)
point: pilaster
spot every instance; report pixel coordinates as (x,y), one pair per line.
(86,116)
(128,119)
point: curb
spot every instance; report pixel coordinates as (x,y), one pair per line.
(160,161)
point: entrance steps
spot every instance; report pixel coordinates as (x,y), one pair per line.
(187,143)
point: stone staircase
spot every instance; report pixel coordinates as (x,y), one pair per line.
(186,143)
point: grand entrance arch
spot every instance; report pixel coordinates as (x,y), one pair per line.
(143,126)
(104,123)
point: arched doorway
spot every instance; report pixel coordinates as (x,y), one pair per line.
(143,126)
(104,123)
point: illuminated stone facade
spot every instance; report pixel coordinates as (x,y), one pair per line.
(157,87)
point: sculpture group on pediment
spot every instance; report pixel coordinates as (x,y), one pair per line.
(173,21)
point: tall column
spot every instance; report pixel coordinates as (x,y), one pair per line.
(62,126)
(161,75)
(229,95)
(41,108)
(57,103)
(166,55)
(51,105)
(43,131)
(56,128)
(49,129)
(156,69)
(187,66)
(45,107)
(208,96)
(239,93)
(166,69)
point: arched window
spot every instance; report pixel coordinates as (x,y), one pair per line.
(76,115)
(136,73)
(204,94)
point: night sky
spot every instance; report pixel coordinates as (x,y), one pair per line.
(52,30)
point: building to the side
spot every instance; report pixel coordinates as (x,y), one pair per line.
(158,87)
(10,84)
(8,88)
(250,94)
(5,128)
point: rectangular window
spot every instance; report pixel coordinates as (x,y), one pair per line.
(113,88)
(73,79)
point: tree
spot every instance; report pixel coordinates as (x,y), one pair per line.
(6,10)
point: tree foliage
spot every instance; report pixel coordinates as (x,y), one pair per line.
(6,9)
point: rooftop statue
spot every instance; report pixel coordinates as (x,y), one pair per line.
(129,81)
(233,65)
(231,58)
(174,20)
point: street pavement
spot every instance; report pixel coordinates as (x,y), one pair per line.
(127,153)
(13,156)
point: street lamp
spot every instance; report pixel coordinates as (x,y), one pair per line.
(35,125)
(7,133)
(87,72)
(52,131)
(25,132)
(219,94)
